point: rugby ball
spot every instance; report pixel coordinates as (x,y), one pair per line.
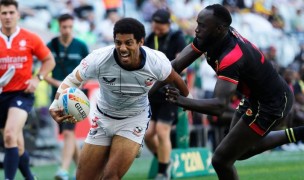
(74,102)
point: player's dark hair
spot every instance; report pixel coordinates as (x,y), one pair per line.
(129,26)
(64,17)
(222,14)
(8,3)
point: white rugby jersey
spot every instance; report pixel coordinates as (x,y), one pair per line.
(124,93)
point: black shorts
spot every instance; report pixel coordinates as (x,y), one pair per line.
(66,126)
(164,112)
(17,99)
(262,117)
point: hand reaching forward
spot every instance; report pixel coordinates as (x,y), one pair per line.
(173,95)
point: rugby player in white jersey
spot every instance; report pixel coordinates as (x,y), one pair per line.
(126,72)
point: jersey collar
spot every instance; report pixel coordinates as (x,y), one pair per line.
(142,63)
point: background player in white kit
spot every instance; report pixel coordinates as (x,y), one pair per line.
(126,72)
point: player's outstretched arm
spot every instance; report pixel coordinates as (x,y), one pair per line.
(186,57)
(215,106)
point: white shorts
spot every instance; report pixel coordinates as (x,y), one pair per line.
(104,128)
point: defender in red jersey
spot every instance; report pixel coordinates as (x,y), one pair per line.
(18,46)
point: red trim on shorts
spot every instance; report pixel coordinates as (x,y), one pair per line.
(195,49)
(228,79)
(257,129)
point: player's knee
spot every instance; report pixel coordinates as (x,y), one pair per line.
(163,131)
(68,134)
(149,135)
(218,162)
(10,138)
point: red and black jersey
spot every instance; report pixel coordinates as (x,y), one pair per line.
(240,62)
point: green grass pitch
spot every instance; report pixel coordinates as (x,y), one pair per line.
(275,165)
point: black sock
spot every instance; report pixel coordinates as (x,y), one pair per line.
(24,166)
(162,168)
(10,162)
(295,134)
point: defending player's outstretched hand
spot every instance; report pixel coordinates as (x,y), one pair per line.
(172,95)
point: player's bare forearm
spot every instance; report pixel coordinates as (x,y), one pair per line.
(215,106)
(206,106)
(184,59)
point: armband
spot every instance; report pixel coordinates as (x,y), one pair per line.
(54,104)
(70,81)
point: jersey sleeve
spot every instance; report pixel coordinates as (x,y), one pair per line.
(40,50)
(196,46)
(87,67)
(165,66)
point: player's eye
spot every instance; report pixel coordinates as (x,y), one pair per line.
(129,43)
(118,43)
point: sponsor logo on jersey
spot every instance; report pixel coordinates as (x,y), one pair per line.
(249,112)
(149,81)
(22,44)
(137,131)
(109,81)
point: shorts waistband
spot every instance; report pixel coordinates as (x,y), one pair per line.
(112,117)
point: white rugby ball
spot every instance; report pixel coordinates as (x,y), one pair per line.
(75,102)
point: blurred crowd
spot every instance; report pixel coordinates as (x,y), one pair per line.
(275,26)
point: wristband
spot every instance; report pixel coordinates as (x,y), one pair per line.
(190,96)
(54,104)
(60,90)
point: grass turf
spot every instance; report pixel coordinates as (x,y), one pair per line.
(276,165)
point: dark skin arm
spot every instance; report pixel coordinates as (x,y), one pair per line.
(186,57)
(183,60)
(215,106)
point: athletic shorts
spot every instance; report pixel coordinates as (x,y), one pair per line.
(17,99)
(164,112)
(263,117)
(103,128)
(66,126)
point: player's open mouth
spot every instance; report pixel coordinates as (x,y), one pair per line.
(124,56)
